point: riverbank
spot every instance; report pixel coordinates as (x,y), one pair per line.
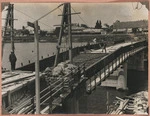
(78,38)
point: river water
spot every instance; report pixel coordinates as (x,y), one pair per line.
(25,52)
(95,103)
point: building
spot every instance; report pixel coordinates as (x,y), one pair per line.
(140,26)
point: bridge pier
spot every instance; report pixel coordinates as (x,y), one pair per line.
(122,78)
(75,103)
(136,62)
(71,105)
(118,79)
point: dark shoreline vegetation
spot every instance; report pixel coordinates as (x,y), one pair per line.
(79,38)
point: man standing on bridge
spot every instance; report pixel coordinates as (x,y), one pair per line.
(12,59)
(103,45)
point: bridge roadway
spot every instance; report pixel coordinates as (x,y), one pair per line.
(94,55)
(14,80)
(89,58)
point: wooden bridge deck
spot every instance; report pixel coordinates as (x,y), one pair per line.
(87,58)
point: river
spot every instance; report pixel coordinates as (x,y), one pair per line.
(95,103)
(25,52)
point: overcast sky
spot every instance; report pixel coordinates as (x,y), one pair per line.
(90,12)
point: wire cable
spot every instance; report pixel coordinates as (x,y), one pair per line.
(81,18)
(49,12)
(33,18)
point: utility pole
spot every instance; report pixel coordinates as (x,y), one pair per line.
(69,33)
(11,18)
(9,22)
(60,37)
(37,79)
(37,87)
(5,28)
(65,23)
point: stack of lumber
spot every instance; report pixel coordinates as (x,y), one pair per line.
(133,104)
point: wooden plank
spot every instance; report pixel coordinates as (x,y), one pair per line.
(8,74)
(17,78)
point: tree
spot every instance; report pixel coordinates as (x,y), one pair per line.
(117,21)
(25,31)
(43,33)
(98,24)
(84,25)
(108,28)
(23,28)
(56,31)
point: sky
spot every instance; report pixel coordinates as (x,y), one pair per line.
(90,13)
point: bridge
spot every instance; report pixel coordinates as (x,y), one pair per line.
(63,93)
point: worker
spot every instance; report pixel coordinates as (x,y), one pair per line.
(12,59)
(105,47)
(103,44)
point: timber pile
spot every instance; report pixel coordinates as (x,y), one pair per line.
(134,104)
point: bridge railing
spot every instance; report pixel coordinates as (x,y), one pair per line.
(105,66)
(53,90)
(102,66)
(99,65)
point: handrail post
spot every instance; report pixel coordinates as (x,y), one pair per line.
(33,106)
(90,85)
(119,59)
(100,77)
(104,69)
(109,68)
(112,65)
(116,63)
(95,78)
(50,100)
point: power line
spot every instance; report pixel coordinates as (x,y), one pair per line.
(60,10)
(49,12)
(81,18)
(24,14)
(39,18)
(32,18)
(42,16)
